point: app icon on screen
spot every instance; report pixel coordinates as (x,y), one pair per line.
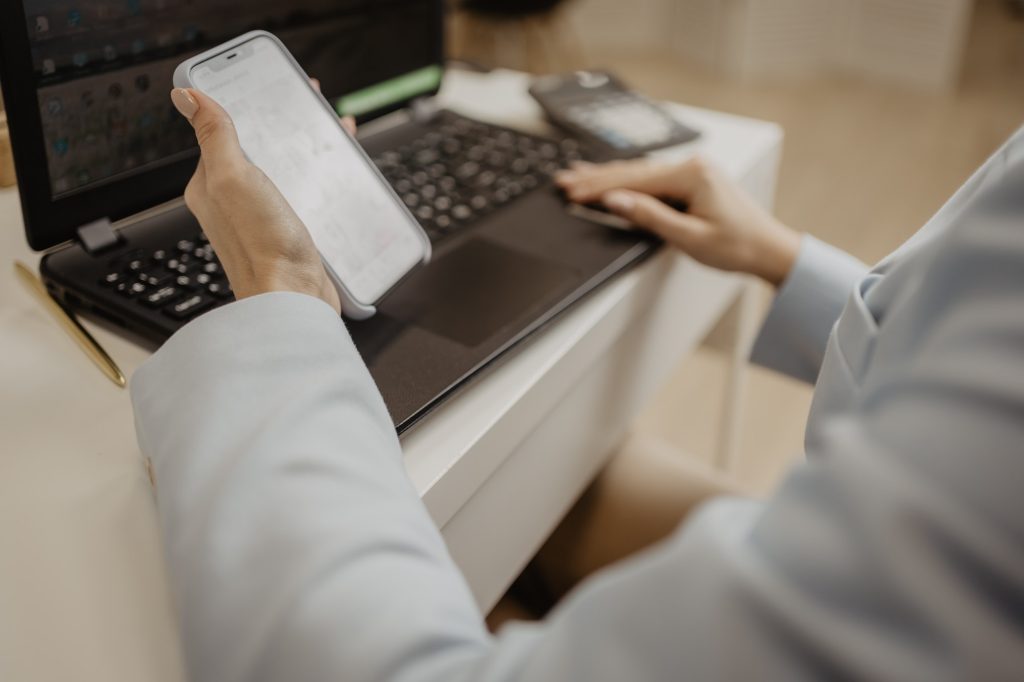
(42,24)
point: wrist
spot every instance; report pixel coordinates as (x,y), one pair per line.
(310,280)
(778,254)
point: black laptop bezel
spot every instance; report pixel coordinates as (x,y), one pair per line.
(49,221)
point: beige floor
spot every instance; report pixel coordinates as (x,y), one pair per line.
(865,164)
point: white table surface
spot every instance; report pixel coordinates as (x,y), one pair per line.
(83,592)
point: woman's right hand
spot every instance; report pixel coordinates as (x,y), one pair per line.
(723,227)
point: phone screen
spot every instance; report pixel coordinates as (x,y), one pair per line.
(362,232)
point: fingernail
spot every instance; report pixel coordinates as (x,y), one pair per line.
(184,102)
(620,202)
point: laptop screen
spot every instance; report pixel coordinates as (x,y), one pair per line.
(102,70)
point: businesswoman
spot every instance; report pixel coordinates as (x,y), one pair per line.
(298,550)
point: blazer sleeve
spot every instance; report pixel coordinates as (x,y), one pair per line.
(793,337)
(298,550)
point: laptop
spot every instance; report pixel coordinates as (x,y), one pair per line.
(102,161)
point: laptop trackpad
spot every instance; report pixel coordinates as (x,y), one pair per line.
(476,290)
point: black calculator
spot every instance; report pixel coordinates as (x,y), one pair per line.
(596,107)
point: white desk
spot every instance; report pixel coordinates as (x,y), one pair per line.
(83,592)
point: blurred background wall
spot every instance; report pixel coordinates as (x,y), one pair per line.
(888,105)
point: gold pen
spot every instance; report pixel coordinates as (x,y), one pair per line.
(72,326)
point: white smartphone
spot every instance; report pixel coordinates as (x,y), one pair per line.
(368,239)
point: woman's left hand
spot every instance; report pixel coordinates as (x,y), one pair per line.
(261,242)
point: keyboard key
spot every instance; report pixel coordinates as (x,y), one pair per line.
(189,306)
(186,282)
(153,280)
(122,261)
(131,289)
(112,279)
(186,246)
(468,170)
(163,295)
(427,157)
(220,290)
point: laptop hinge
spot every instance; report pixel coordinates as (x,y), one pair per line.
(97,236)
(424,109)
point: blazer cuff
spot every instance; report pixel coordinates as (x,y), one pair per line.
(795,333)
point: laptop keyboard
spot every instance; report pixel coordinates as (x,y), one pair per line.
(463,169)
(450,177)
(182,280)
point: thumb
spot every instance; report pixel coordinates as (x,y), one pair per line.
(214,129)
(649,213)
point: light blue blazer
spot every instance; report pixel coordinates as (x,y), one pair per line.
(299,551)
